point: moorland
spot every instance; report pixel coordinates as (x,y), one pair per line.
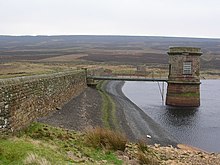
(28,55)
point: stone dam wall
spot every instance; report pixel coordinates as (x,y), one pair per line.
(22,100)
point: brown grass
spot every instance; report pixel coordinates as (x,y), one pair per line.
(145,155)
(104,138)
(142,146)
(146,159)
(33,159)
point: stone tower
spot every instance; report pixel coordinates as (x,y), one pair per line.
(184,77)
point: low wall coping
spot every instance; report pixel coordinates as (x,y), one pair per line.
(16,80)
(184,51)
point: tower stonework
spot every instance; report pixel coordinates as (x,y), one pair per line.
(184,77)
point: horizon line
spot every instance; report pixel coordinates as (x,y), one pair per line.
(108,35)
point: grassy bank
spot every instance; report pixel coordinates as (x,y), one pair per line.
(41,144)
(108,108)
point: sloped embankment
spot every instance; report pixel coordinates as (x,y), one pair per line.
(43,144)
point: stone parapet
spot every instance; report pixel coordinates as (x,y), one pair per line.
(22,100)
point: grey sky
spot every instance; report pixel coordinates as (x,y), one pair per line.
(188,18)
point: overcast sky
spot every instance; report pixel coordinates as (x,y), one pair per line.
(186,18)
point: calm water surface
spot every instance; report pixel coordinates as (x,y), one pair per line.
(199,127)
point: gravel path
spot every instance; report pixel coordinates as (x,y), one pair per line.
(85,111)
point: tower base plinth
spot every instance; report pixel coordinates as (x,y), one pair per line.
(182,94)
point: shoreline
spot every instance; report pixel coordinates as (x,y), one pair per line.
(136,124)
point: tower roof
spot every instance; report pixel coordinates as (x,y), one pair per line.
(183,50)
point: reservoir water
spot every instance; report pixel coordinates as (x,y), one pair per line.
(199,127)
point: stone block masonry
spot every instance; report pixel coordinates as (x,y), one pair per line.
(22,100)
(184,77)
(186,95)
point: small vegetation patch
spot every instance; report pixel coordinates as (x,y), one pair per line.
(34,159)
(142,146)
(146,159)
(104,138)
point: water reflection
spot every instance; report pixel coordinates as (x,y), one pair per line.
(178,116)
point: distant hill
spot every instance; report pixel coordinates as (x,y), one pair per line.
(123,49)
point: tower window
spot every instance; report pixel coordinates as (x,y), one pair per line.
(187,67)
